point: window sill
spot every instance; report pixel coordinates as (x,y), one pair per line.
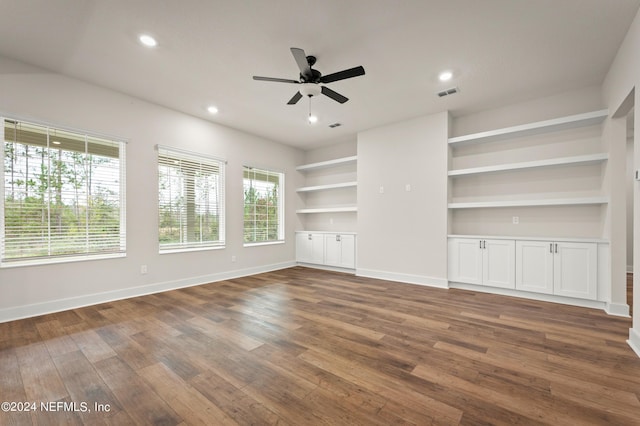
(264,243)
(190,249)
(53,261)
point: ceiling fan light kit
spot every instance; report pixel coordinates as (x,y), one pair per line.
(310,78)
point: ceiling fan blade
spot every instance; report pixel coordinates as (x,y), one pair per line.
(277,80)
(301,60)
(295,99)
(334,95)
(341,75)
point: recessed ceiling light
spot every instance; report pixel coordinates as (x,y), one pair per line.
(445,75)
(56,142)
(212,109)
(313,119)
(147,40)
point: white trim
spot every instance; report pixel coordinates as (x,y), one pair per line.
(188,249)
(27,311)
(329,210)
(529,295)
(403,278)
(634,340)
(327,268)
(263,243)
(617,309)
(61,259)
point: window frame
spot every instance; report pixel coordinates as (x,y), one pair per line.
(177,154)
(72,137)
(280,239)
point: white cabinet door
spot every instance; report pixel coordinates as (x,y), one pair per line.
(498,263)
(303,247)
(575,270)
(465,260)
(534,266)
(340,250)
(309,248)
(332,249)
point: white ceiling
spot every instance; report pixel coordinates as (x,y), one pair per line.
(501,52)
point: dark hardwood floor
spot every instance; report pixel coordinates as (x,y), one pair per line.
(306,347)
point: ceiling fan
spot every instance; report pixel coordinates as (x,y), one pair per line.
(310,78)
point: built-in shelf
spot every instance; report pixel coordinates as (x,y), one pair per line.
(344,209)
(324,164)
(326,187)
(576,160)
(572,121)
(531,203)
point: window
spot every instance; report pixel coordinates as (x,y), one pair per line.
(62,194)
(263,206)
(191,200)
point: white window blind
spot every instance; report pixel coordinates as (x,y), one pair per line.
(62,194)
(191,200)
(263,205)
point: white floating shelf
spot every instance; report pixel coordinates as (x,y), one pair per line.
(330,186)
(570,122)
(325,164)
(344,209)
(528,203)
(576,160)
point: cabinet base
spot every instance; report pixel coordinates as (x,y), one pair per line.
(584,303)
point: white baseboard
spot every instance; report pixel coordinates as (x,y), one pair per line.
(617,309)
(327,268)
(403,278)
(528,295)
(36,309)
(634,340)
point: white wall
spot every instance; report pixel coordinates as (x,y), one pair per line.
(402,234)
(623,77)
(31,93)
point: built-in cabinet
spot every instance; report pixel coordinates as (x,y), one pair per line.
(329,197)
(310,247)
(326,249)
(535,196)
(482,262)
(560,268)
(340,250)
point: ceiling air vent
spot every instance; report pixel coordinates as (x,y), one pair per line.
(448,92)
(335,125)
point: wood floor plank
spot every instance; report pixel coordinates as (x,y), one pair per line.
(311,347)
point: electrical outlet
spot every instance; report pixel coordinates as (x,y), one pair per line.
(407,187)
(143,269)
(381,189)
(233,258)
(515,220)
